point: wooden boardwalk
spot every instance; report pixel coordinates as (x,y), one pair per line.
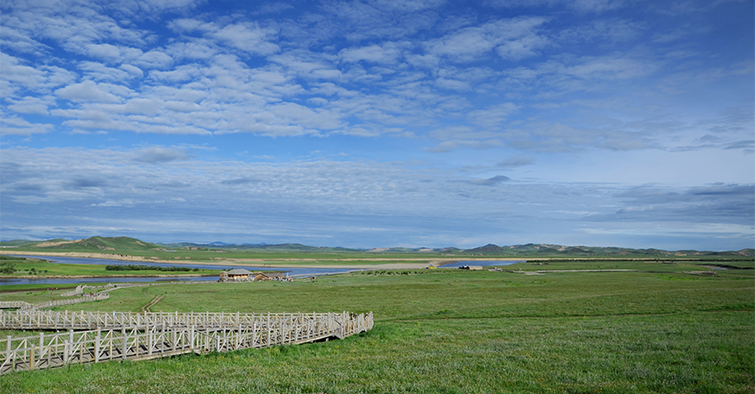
(142,336)
(53,303)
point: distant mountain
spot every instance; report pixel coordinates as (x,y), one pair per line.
(260,246)
(92,244)
(746,252)
(556,250)
(293,247)
(127,244)
(16,242)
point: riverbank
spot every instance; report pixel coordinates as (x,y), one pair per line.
(100,276)
(377,263)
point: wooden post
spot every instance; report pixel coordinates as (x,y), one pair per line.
(125,344)
(96,346)
(162,342)
(66,349)
(136,342)
(238,336)
(150,332)
(254,333)
(268,329)
(8,353)
(31,359)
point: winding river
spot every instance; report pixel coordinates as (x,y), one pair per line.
(295,272)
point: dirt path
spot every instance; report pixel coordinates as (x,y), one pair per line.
(152,303)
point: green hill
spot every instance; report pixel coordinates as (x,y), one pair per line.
(127,245)
(93,244)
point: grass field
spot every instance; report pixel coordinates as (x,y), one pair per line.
(41,268)
(459,331)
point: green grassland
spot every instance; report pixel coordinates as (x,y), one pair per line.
(639,265)
(448,331)
(41,268)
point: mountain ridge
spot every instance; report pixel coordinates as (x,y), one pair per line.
(98,243)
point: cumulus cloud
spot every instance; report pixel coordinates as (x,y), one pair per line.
(240,181)
(157,155)
(31,105)
(386,53)
(87,91)
(516,162)
(490,181)
(512,39)
(13,125)
(248,37)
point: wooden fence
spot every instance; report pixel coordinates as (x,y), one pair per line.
(142,336)
(49,304)
(14,304)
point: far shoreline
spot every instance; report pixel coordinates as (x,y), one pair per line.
(438,262)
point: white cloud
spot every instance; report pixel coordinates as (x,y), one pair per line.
(516,161)
(248,37)
(100,72)
(153,59)
(387,53)
(87,91)
(513,39)
(127,202)
(448,146)
(134,71)
(31,105)
(15,73)
(192,49)
(452,84)
(492,116)
(13,125)
(105,51)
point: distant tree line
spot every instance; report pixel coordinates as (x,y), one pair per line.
(7,268)
(135,267)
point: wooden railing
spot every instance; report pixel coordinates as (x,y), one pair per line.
(49,304)
(152,335)
(14,304)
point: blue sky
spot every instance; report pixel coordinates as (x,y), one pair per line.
(380,123)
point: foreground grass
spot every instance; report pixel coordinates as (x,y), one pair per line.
(455,331)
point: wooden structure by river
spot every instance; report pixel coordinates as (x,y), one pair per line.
(141,336)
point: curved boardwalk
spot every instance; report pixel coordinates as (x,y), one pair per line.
(140,336)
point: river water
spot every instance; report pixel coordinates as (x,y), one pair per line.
(484,263)
(79,260)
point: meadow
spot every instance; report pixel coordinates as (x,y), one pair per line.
(31,267)
(660,330)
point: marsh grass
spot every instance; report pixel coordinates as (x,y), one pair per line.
(449,331)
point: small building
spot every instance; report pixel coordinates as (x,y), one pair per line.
(241,275)
(260,276)
(235,275)
(471,267)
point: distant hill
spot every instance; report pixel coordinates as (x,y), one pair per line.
(746,252)
(261,246)
(578,251)
(126,244)
(16,242)
(93,244)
